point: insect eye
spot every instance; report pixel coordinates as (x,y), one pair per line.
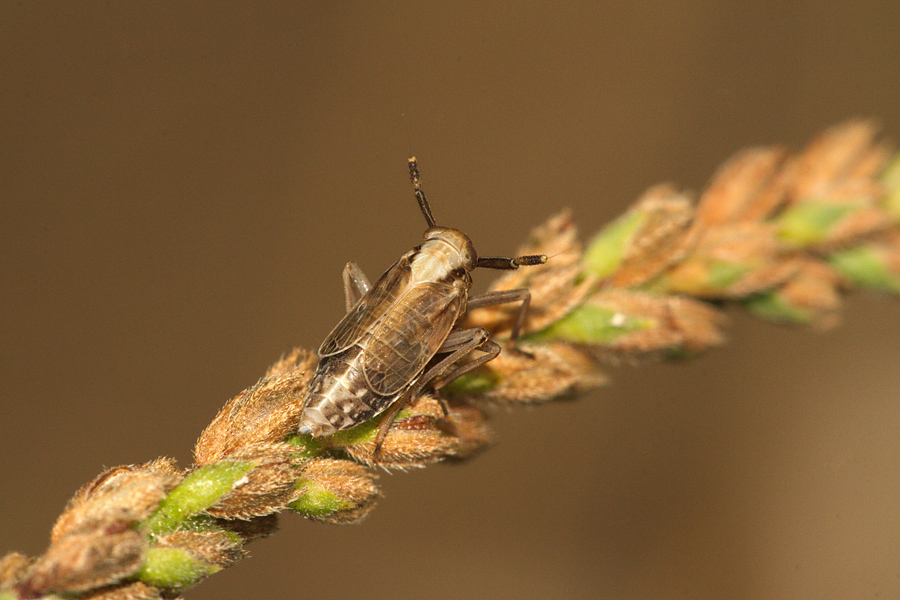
(470,258)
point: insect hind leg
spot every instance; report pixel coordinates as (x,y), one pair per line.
(458,344)
(461,343)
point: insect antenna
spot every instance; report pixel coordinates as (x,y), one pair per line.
(506,263)
(420,195)
(503,263)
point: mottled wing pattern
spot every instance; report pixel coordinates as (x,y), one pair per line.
(369,309)
(409,335)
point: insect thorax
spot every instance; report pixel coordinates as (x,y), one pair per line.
(446,255)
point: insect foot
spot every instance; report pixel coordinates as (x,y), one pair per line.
(422,435)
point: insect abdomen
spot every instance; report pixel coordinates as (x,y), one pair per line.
(339,396)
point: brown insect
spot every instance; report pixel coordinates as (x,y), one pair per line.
(401,334)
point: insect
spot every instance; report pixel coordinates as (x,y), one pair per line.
(402,333)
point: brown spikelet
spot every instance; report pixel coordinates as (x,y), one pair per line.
(663,238)
(556,287)
(843,156)
(749,187)
(538,374)
(350,482)
(750,248)
(556,237)
(93,543)
(267,488)
(82,561)
(737,253)
(126,494)
(265,413)
(130,591)
(252,530)
(424,436)
(297,358)
(814,289)
(470,428)
(887,245)
(215,548)
(698,326)
(670,323)
(865,221)
(13,568)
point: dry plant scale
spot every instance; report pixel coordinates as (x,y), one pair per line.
(780,234)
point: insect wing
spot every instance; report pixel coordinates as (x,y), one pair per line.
(410,335)
(369,309)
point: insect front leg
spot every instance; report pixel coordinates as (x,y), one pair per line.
(353,276)
(505,297)
(458,344)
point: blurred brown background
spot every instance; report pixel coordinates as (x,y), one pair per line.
(181,185)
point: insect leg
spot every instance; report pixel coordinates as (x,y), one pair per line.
(490,348)
(354,277)
(495,298)
(460,344)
